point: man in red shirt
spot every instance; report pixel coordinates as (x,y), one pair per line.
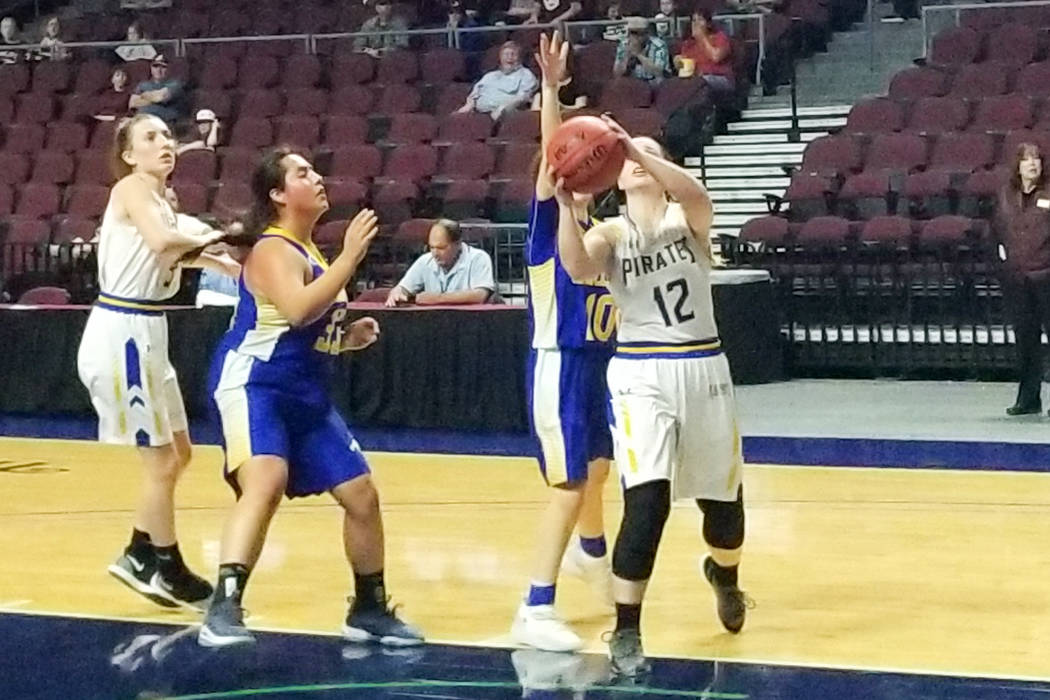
(709,49)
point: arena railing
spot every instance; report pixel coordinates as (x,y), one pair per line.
(736,25)
(910,309)
(936,18)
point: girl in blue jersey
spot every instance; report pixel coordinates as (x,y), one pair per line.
(571,328)
(281,434)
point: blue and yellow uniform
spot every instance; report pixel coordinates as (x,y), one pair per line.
(572,328)
(268,383)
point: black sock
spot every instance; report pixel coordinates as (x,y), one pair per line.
(140,546)
(628,617)
(169,561)
(370,591)
(725,575)
(232,580)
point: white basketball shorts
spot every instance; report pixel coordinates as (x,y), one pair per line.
(123,362)
(675,419)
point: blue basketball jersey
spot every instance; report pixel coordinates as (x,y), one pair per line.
(284,355)
(562,314)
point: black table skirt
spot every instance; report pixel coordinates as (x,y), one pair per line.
(433,368)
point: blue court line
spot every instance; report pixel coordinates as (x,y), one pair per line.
(762,449)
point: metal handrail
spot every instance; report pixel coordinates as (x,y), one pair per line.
(957,10)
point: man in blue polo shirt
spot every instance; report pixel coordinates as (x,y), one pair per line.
(451,273)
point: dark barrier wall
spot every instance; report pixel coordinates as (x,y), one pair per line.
(435,368)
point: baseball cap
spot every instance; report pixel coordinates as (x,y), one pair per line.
(159,60)
(205,115)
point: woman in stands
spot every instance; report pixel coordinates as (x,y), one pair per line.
(1023,228)
(123,356)
(571,328)
(673,412)
(269,381)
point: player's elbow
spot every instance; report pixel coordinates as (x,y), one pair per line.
(579,272)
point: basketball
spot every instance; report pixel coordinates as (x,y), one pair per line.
(586,152)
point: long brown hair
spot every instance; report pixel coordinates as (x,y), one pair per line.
(121,143)
(1023,151)
(268,176)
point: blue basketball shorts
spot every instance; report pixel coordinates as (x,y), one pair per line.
(568,411)
(310,436)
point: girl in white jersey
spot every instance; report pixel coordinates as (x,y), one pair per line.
(675,430)
(123,356)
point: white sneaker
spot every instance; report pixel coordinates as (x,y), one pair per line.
(596,572)
(538,626)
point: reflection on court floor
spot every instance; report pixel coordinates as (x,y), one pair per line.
(870,583)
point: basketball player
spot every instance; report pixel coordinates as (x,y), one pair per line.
(674,430)
(571,328)
(123,355)
(281,434)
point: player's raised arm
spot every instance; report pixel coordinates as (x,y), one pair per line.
(552,58)
(678,182)
(583,255)
(278,272)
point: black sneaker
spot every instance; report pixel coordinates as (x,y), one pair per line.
(381,625)
(1022,410)
(625,653)
(136,574)
(224,626)
(732,602)
(184,588)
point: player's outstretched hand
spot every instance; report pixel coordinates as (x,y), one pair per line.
(359,234)
(628,143)
(553,59)
(361,333)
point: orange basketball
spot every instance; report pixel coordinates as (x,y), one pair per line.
(586,152)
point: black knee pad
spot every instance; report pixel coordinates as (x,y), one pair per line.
(645,511)
(724,521)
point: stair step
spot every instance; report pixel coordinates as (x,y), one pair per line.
(785,124)
(780,112)
(741,171)
(766,184)
(745,159)
(727,220)
(752,208)
(737,196)
(727,139)
(755,149)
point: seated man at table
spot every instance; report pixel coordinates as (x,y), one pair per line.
(451,273)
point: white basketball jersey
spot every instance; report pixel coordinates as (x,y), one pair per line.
(127,268)
(661,283)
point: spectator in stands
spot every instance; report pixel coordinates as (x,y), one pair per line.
(160,96)
(451,273)
(640,54)
(9,36)
(138,48)
(753,6)
(206,133)
(558,11)
(112,104)
(509,87)
(460,17)
(522,12)
(665,20)
(614,32)
(52,48)
(384,21)
(707,53)
(1022,225)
